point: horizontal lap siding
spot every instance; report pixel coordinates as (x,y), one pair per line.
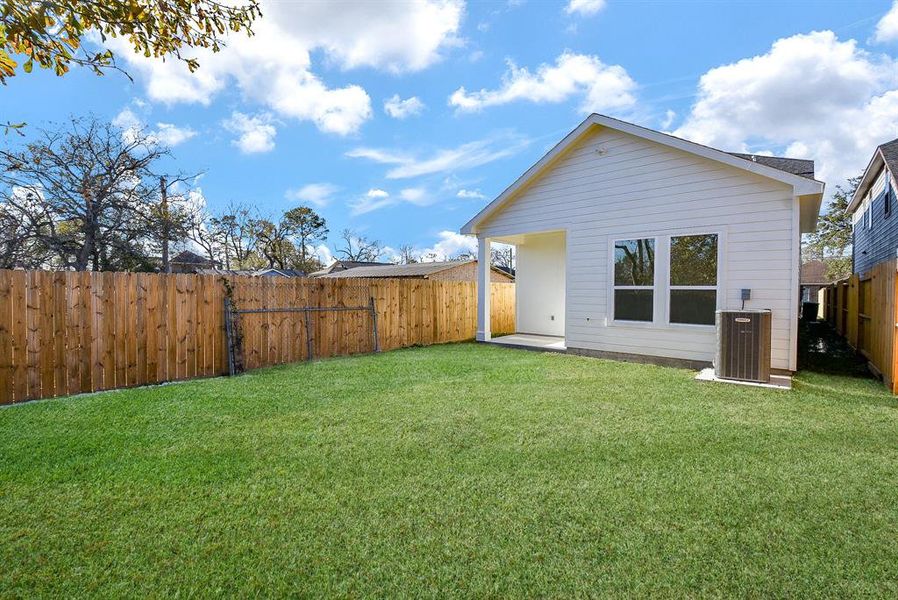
(638,187)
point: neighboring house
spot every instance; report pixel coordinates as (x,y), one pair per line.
(342,265)
(813,279)
(455,270)
(272,272)
(505,269)
(191,262)
(266,272)
(875,227)
(628,240)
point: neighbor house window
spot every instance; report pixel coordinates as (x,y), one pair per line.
(887,197)
(693,279)
(634,279)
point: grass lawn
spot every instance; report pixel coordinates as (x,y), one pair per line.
(454,470)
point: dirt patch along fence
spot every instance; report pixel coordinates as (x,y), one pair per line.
(863,309)
(65,333)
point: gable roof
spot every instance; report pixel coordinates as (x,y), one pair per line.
(809,188)
(813,272)
(273,272)
(890,154)
(423,270)
(885,155)
(340,265)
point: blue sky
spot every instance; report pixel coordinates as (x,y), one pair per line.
(481,90)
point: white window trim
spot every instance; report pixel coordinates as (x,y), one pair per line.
(661,288)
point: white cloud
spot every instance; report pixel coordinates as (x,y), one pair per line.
(466,156)
(401,109)
(254,133)
(809,96)
(172,135)
(417,196)
(669,117)
(470,194)
(375,199)
(584,7)
(318,194)
(274,67)
(887,27)
(166,134)
(378,155)
(126,119)
(324,254)
(449,245)
(603,87)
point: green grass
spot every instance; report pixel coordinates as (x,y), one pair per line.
(463,470)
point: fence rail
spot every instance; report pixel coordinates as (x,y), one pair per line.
(863,310)
(63,333)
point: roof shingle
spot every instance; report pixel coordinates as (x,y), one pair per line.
(797,166)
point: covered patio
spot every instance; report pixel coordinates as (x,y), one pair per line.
(540,259)
(548,343)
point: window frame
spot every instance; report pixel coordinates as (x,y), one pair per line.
(715,287)
(887,195)
(868,210)
(661,285)
(653,287)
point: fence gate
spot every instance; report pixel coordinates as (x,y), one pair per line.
(310,315)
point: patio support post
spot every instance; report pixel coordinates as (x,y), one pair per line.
(483,289)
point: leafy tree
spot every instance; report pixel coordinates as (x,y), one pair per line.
(831,242)
(50,32)
(274,243)
(18,245)
(85,195)
(306,228)
(693,260)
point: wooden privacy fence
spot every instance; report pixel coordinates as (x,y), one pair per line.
(863,310)
(64,333)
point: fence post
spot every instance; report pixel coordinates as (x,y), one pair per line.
(373,309)
(308,333)
(229,334)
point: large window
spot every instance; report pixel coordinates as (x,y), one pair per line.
(693,279)
(634,279)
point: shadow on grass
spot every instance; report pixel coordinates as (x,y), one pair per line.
(822,350)
(827,364)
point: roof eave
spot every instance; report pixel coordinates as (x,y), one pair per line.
(809,211)
(876,161)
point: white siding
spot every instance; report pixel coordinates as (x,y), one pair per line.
(635,187)
(539,284)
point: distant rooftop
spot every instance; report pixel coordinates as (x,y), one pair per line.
(410,270)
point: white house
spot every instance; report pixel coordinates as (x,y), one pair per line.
(629,239)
